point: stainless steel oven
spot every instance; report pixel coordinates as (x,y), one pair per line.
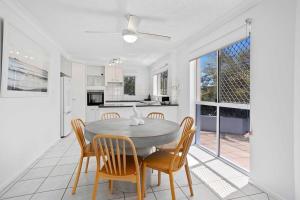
(95,98)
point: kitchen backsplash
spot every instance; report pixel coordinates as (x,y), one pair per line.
(115,92)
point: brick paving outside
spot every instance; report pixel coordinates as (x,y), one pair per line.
(235,148)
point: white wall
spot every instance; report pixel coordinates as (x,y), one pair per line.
(66,66)
(142,85)
(297,105)
(28,126)
(78,90)
(272,68)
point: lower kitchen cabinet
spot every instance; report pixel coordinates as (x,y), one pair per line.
(94,113)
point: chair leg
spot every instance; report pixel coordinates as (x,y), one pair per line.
(159,178)
(171,177)
(188,175)
(78,175)
(110,183)
(95,186)
(138,188)
(155,149)
(87,164)
(144,174)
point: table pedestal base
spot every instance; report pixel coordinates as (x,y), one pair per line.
(131,187)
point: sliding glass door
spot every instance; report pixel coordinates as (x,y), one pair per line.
(223,106)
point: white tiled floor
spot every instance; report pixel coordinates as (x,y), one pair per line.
(51,178)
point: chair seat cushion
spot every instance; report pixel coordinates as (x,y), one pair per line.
(89,150)
(161,161)
(130,166)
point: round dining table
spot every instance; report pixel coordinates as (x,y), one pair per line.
(152,133)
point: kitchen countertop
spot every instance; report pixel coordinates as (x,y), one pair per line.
(118,101)
(137,105)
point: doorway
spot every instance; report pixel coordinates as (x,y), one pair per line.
(223,103)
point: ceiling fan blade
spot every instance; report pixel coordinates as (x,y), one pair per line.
(154,36)
(101,32)
(133,22)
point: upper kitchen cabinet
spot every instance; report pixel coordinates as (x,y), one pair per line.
(95,77)
(113,74)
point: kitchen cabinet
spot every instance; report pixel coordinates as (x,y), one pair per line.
(113,74)
(95,78)
(92,113)
(170,112)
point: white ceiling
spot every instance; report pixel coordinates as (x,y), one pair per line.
(67,20)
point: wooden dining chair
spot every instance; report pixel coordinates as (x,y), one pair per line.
(169,162)
(86,150)
(110,115)
(120,161)
(186,125)
(156,115)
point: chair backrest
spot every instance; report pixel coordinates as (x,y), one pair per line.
(114,150)
(110,115)
(78,126)
(156,115)
(186,125)
(182,150)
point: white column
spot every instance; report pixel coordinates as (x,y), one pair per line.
(297,105)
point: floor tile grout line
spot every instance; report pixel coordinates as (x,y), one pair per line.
(32,194)
(15,181)
(41,184)
(214,158)
(53,168)
(73,171)
(249,195)
(218,174)
(223,178)
(49,175)
(17,196)
(244,194)
(153,193)
(184,193)
(31,166)
(48,191)
(69,182)
(19,179)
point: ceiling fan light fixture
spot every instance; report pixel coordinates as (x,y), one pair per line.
(129,36)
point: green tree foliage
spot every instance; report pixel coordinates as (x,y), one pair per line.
(234,77)
(235,73)
(129,85)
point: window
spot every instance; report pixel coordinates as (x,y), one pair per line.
(164,83)
(160,83)
(234,66)
(223,110)
(209,70)
(155,86)
(129,85)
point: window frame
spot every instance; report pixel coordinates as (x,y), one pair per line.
(198,80)
(156,87)
(219,104)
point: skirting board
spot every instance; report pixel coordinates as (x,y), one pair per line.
(4,187)
(272,194)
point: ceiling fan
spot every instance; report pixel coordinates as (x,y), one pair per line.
(131,34)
